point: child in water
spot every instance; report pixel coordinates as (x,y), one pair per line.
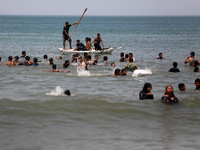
(146,92)
(196,68)
(181,86)
(169,96)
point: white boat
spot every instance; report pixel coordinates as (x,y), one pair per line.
(108,50)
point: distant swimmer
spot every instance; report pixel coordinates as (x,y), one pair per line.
(191,59)
(35,61)
(80,46)
(66,64)
(160,56)
(174,69)
(181,86)
(116,73)
(27,62)
(95,60)
(45,57)
(66,35)
(54,69)
(81,64)
(169,96)
(131,66)
(97,42)
(122,59)
(124,72)
(23,54)
(130,55)
(51,61)
(74,58)
(10,62)
(146,92)
(67,92)
(196,68)
(16,59)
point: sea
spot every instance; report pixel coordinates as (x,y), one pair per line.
(103,112)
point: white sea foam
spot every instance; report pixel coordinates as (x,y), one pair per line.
(58,91)
(141,72)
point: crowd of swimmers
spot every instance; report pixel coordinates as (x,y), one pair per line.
(86,60)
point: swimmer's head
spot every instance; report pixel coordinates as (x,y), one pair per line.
(117,72)
(27,58)
(105,58)
(16,58)
(124,72)
(67,92)
(45,56)
(122,54)
(126,56)
(130,55)
(192,54)
(24,53)
(160,55)
(51,60)
(10,58)
(175,64)
(181,86)
(35,60)
(113,64)
(147,87)
(60,57)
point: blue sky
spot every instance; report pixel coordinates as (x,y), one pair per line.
(100,7)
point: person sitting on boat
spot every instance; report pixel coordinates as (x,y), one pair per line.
(97,42)
(88,43)
(66,36)
(80,46)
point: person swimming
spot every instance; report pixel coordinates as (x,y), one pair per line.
(174,69)
(67,92)
(54,69)
(181,86)
(10,62)
(169,96)
(146,92)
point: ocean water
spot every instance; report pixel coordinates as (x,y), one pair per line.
(104,112)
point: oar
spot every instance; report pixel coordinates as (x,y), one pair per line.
(76,26)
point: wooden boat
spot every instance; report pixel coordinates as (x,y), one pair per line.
(108,50)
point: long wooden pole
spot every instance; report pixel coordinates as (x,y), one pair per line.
(76,26)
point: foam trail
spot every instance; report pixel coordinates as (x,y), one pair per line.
(81,71)
(141,72)
(58,91)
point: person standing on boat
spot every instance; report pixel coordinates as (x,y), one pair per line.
(66,36)
(97,42)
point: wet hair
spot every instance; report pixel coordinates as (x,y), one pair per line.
(23,52)
(146,85)
(17,57)
(180,85)
(45,56)
(66,22)
(66,61)
(27,58)
(126,56)
(159,54)
(175,64)
(122,54)
(192,53)
(67,92)
(130,59)
(172,88)
(117,71)
(98,33)
(77,40)
(35,60)
(89,39)
(51,59)
(10,58)
(105,58)
(54,66)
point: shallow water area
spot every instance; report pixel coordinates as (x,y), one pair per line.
(104,112)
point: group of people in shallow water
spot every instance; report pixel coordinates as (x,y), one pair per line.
(85,61)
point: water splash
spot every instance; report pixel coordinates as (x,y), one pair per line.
(58,91)
(139,72)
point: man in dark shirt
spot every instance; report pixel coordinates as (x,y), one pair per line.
(66,36)
(175,69)
(80,46)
